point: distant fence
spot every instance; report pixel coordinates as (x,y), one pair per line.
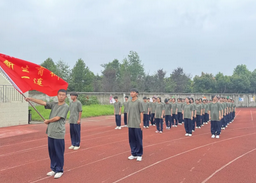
(9,94)
(241,100)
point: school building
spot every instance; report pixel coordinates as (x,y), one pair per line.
(13,107)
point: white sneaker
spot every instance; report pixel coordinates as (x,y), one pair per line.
(186,134)
(160,132)
(116,128)
(150,125)
(193,130)
(125,125)
(71,147)
(213,136)
(147,127)
(217,136)
(139,158)
(119,128)
(199,127)
(190,135)
(196,127)
(132,157)
(58,175)
(144,127)
(76,147)
(51,173)
(157,131)
(154,125)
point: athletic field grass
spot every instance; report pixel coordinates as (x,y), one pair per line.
(88,111)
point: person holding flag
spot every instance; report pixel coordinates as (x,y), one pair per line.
(25,76)
(55,131)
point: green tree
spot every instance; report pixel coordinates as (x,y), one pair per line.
(241,70)
(241,79)
(253,81)
(81,79)
(50,65)
(109,78)
(240,84)
(63,70)
(97,83)
(205,83)
(135,68)
(223,83)
(182,81)
(125,77)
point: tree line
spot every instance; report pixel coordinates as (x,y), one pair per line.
(120,76)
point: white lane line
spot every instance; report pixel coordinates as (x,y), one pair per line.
(251,115)
(184,152)
(208,178)
(198,161)
(192,169)
(183,180)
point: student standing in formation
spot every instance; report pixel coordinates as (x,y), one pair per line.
(194,114)
(55,131)
(75,109)
(206,111)
(167,114)
(179,110)
(188,117)
(220,123)
(234,110)
(149,108)
(159,115)
(224,113)
(201,103)
(198,114)
(125,110)
(117,112)
(183,103)
(215,116)
(174,113)
(135,126)
(146,112)
(153,110)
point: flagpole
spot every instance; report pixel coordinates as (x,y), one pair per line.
(16,87)
(33,107)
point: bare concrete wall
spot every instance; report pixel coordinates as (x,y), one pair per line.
(13,108)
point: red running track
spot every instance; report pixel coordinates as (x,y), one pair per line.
(168,157)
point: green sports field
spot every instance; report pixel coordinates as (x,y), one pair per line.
(88,111)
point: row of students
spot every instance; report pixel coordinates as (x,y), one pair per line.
(174,113)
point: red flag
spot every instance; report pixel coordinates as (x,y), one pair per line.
(27,76)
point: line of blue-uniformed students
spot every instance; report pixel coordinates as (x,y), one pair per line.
(193,113)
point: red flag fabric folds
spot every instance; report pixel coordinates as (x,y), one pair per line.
(29,76)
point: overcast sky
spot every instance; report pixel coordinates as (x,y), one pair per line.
(197,35)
